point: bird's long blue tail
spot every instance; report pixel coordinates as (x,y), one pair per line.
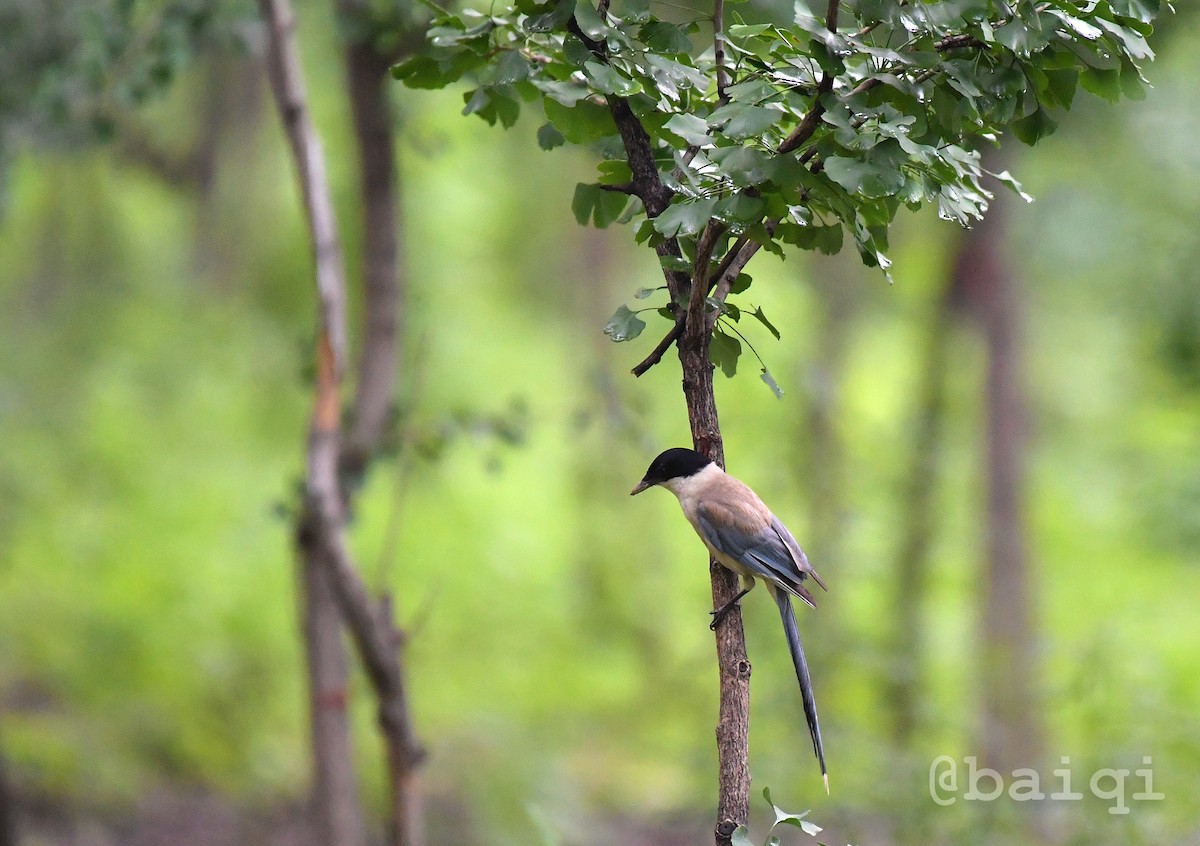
(783,600)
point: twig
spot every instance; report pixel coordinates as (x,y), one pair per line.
(718,22)
(660,350)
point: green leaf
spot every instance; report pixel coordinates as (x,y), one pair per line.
(581,123)
(492,104)
(762,318)
(676,263)
(686,217)
(1142,10)
(742,121)
(771,383)
(593,203)
(691,128)
(511,67)
(548,137)
(614,172)
(1009,181)
(1034,127)
(554,20)
(605,79)
(1103,83)
(723,351)
(825,239)
(590,22)
(1132,84)
(748,30)
(1060,86)
(867,177)
(783,817)
(624,325)
(421,72)
(740,209)
(663,37)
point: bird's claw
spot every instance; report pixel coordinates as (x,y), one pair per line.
(720,614)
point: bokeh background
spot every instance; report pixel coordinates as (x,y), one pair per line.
(156,310)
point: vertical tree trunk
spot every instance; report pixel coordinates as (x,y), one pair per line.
(8,809)
(733,667)
(336,806)
(823,454)
(368,76)
(368,80)
(1011,731)
(903,686)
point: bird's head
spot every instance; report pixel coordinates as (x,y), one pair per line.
(675,463)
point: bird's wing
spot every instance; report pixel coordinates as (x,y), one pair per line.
(797,553)
(754,541)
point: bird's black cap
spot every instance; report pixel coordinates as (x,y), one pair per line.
(675,463)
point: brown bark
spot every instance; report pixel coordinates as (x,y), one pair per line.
(8,809)
(367,72)
(368,81)
(321,537)
(733,666)
(694,335)
(335,800)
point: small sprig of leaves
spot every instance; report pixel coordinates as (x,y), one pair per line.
(808,135)
(741,835)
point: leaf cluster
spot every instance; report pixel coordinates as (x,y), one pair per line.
(70,68)
(741,835)
(804,135)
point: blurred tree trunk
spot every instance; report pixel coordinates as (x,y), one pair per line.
(335,797)
(8,810)
(338,460)
(336,807)
(369,84)
(1010,727)
(917,526)
(833,280)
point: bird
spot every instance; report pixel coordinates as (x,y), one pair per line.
(744,535)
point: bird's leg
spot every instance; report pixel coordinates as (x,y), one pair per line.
(719,614)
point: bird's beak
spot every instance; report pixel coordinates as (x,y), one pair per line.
(640,486)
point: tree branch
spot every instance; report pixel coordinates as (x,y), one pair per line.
(320,533)
(287,84)
(718,21)
(733,721)
(372,622)
(335,790)
(660,350)
(696,315)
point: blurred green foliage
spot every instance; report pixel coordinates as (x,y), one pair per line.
(152,416)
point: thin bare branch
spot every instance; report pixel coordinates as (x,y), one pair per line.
(718,22)
(287,84)
(698,300)
(660,350)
